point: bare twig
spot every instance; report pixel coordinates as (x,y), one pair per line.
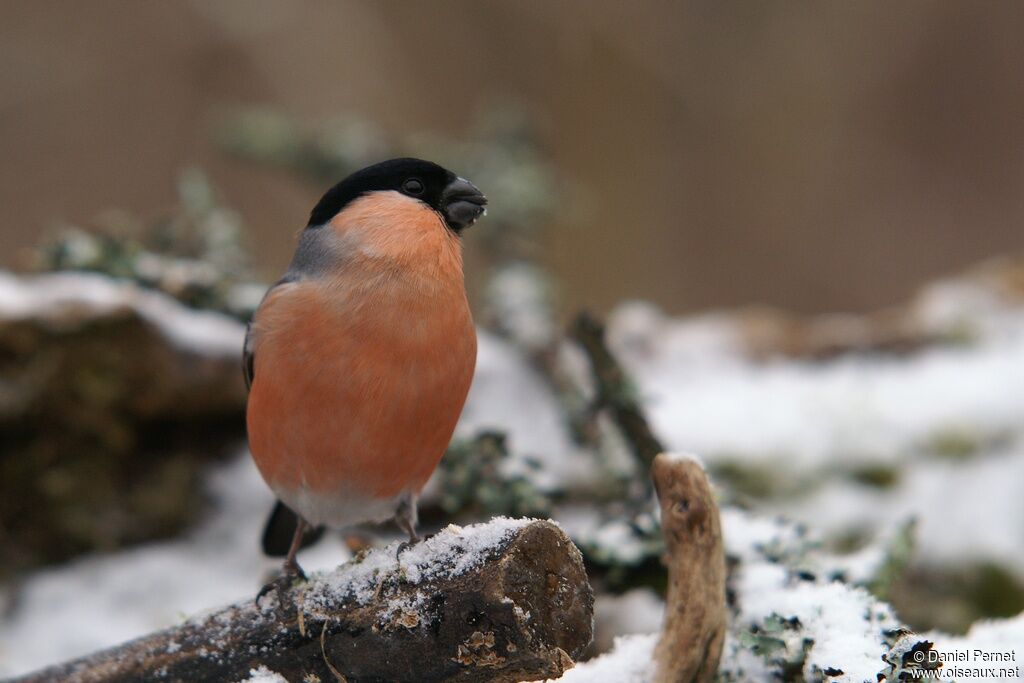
(615,392)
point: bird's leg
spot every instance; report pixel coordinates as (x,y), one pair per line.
(406,517)
(291,566)
(291,571)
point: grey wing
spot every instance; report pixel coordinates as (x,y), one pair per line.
(248,357)
(249,347)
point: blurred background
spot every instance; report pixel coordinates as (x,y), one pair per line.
(778,209)
(711,154)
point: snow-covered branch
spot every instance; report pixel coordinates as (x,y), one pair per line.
(503,601)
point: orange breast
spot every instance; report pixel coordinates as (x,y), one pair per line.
(357,395)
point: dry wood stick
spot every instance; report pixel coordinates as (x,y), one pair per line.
(695,615)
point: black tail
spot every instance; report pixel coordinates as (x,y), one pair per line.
(280,528)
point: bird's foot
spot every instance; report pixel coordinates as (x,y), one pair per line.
(288,579)
(404,545)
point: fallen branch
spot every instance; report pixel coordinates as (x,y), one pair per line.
(503,601)
(695,617)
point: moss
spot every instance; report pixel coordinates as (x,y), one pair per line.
(778,641)
(954,444)
(472,481)
(849,541)
(898,554)
(747,479)
(757,481)
(951,600)
(961,442)
(876,475)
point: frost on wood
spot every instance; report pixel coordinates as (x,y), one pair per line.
(503,601)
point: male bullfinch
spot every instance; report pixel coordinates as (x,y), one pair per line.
(359,359)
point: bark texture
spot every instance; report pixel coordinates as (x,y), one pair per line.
(520,609)
(695,614)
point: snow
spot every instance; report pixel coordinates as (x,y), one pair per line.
(811,424)
(636,611)
(847,624)
(508,394)
(706,393)
(263,675)
(451,552)
(963,509)
(630,661)
(990,635)
(782,574)
(614,539)
(800,416)
(60,297)
(103,600)
(518,301)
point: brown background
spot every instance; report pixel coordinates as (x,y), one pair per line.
(818,157)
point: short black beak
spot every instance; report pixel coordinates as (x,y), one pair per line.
(462,204)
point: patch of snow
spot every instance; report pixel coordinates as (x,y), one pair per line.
(612,538)
(517,299)
(964,509)
(637,611)
(847,626)
(630,661)
(509,395)
(263,675)
(104,600)
(57,295)
(705,394)
(990,635)
(795,416)
(810,424)
(846,623)
(451,552)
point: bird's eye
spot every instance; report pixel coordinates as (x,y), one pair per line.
(413,186)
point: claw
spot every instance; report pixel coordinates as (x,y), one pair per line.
(291,576)
(404,545)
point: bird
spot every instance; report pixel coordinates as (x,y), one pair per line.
(358,361)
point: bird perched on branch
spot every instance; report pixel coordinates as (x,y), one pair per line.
(359,359)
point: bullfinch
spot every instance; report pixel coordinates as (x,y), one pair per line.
(359,359)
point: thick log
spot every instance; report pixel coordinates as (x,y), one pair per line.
(695,615)
(503,601)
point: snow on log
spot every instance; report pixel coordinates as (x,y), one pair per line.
(503,601)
